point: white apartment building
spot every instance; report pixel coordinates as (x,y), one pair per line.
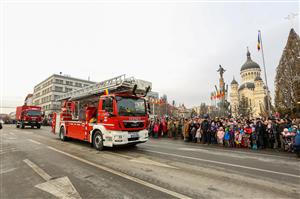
(46,92)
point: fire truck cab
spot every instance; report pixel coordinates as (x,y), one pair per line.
(102,119)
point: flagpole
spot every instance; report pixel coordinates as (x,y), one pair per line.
(265,72)
(153,108)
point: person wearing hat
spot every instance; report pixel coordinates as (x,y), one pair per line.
(260,131)
(205,127)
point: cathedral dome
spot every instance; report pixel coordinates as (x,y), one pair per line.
(249,64)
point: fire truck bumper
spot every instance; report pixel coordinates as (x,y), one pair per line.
(127,138)
(32,123)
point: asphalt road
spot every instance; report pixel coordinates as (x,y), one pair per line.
(36,164)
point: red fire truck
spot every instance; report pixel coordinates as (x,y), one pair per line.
(28,116)
(106,114)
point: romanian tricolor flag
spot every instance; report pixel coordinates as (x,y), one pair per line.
(218,94)
(106,92)
(258,41)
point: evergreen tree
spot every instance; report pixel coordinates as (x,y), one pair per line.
(287,83)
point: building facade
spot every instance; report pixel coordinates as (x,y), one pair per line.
(250,98)
(46,92)
(29,100)
(184,112)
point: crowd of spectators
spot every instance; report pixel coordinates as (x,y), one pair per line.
(258,133)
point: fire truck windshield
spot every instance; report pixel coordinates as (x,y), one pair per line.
(33,113)
(128,106)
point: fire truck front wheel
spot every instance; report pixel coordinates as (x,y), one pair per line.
(98,141)
(62,136)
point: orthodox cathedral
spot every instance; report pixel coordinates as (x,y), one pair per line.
(249,98)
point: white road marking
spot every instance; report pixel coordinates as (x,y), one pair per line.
(7,170)
(38,170)
(59,187)
(146,161)
(141,160)
(121,155)
(224,163)
(139,181)
(27,132)
(36,142)
(192,149)
(12,134)
(234,155)
(161,145)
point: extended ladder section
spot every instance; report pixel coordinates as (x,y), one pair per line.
(113,85)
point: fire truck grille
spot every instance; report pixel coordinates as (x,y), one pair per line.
(133,139)
(133,124)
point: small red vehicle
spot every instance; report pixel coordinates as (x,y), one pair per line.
(110,113)
(28,116)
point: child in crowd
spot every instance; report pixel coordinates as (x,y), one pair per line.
(227,137)
(237,138)
(254,139)
(220,135)
(198,135)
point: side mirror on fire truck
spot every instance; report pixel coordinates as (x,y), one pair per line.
(134,89)
(148,106)
(147,90)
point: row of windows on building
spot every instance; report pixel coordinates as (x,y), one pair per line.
(50,106)
(70,83)
(56,88)
(46,99)
(60,81)
(61,89)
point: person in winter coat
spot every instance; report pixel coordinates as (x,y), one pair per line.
(179,129)
(156,129)
(205,127)
(164,127)
(193,133)
(174,130)
(186,130)
(150,128)
(169,129)
(260,133)
(198,135)
(220,135)
(227,137)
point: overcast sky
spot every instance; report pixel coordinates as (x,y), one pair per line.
(177,45)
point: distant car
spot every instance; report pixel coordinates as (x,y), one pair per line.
(1,123)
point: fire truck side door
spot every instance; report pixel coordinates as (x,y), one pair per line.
(105,109)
